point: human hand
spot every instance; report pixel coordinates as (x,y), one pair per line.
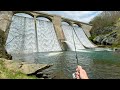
(80,73)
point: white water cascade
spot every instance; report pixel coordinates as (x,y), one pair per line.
(22,36)
(47,39)
(82,37)
(69,33)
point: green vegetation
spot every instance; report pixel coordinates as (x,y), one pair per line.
(105,19)
(9,74)
(106,24)
(91,38)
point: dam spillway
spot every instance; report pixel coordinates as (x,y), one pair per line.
(82,37)
(47,39)
(22,36)
(34,34)
(71,37)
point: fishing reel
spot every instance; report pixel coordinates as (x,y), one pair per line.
(74,77)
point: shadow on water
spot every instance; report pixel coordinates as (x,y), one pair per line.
(98,64)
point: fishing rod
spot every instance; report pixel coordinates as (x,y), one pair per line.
(75,46)
(76,56)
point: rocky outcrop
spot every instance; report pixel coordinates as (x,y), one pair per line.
(108,39)
(27,68)
(1,44)
(98,39)
(117,50)
(107,35)
(5,20)
(3,52)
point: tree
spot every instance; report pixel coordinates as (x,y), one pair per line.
(105,19)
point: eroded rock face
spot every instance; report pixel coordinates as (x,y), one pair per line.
(1,43)
(5,20)
(108,39)
(3,52)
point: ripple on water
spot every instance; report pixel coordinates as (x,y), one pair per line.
(99,65)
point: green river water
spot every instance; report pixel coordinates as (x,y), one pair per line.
(99,64)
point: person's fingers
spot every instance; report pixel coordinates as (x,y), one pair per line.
(77,75)
(78,68)
(81,73)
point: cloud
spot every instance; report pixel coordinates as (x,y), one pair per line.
(83,16)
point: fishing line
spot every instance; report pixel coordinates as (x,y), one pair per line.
(73,31)
(75,45)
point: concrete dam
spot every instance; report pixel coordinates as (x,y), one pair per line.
(34,31)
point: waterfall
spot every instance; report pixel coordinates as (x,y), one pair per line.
(68,30)
(47,39)
(83,38)
(30,36)
(22,36)
(27,36)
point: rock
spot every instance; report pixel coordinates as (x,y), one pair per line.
(12,65)
(3,52)
(33,69)
(98,39)
(24,67)
(108,39)
(41,78)
(5,21)
(117,50)
(45,76)
(39,74)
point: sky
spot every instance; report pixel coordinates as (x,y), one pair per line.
(83,16)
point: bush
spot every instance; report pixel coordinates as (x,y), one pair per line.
(105,19)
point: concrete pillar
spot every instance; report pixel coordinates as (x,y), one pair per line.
(5,21)
(58,29)
(86,29)
(36,34)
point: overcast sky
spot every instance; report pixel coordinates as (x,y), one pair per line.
(83,16)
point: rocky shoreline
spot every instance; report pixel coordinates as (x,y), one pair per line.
(29,69)
(117,50)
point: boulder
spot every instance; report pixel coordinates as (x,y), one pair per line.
(45,76)
(108,39)
(33,68)
(3,52)
(24,67)
(117,50)
(39,74)
(98,39)
(5,20)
